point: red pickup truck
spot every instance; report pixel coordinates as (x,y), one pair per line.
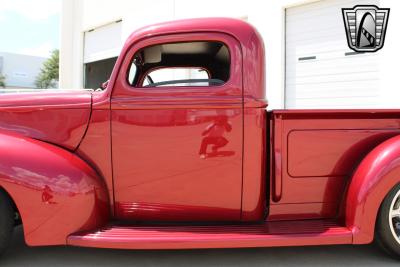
(178,151)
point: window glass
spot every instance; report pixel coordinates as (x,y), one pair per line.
(132,73)
(181,64)
(177,77)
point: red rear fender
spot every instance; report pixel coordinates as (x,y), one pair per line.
(377,174)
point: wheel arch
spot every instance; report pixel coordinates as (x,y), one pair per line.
(55,192)
(13,205)
(376,175)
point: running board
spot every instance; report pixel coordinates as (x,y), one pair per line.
(270,234)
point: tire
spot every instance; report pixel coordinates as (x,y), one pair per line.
(387,232)
(6,222)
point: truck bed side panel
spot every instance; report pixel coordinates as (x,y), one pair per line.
(316,154)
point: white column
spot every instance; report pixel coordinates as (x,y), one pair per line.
(71,45)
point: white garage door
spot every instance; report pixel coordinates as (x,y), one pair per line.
(321,71)
(102,43)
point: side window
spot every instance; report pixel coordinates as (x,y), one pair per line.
(181,64)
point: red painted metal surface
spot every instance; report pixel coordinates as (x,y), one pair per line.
(255,160)
(60,118)
(167,165)
(272,234)
(95,148)
(378,173)
(316,153)
(56,193)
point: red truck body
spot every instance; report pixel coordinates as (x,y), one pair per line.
(123,167)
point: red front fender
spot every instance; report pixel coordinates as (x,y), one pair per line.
(377,174)
(55,191)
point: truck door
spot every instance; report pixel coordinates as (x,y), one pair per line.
(177,129)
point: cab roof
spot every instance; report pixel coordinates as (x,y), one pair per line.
(239,29)
(252,47)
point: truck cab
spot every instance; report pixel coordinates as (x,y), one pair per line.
(180,99)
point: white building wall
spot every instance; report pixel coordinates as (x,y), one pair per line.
(80,16)
(19,70)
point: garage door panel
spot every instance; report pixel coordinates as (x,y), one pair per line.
(328,66)
(341,102)
(332,32)
(343,87)
(336,50)
(102,46)
(327,69)
(335,94)
(325,22)
(319,71)
(331,60)
(319,51)
(346,89)
(326,5)
(103,42)
(347,77)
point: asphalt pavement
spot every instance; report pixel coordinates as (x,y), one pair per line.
(21,255)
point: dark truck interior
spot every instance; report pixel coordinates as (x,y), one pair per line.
(208,56)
